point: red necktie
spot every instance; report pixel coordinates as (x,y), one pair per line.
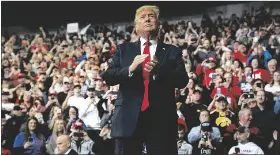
(146,75)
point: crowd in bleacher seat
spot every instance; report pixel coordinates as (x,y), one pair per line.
(52,86)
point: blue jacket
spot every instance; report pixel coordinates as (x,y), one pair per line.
(195,134)
(267,56)
(37,145)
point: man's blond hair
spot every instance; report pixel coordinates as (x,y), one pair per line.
(154,8)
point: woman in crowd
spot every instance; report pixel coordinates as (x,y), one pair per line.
(274,88)
(55,113)
(31,141)
(59,129)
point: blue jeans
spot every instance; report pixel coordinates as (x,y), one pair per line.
(277,107)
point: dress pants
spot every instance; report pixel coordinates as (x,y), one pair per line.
(152,130)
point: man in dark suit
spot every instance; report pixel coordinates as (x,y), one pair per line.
(148,73)
(63,145)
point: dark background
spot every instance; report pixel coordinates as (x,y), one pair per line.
(54,14)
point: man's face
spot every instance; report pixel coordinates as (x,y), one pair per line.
(62,145)
(94,74)
(17,113)
(98,83)
(247,117)
(260,97)
(82,78)
(90,93)
(147,21)
(196,97)
(204,117)
(43,78)
(272,67)
(260,50)
(212,64)
(222,105)
(242,137)
(77,91)
(67,86)
(241,48)
(21,80)
(181,134)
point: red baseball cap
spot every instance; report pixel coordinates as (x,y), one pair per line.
(212,59)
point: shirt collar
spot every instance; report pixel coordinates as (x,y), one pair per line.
(152,41)
(68,151)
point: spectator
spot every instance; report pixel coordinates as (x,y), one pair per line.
(264,119)
(31,141)
(192,108)
(274,88)
(222,117)
(74,99)
(58,130)
(183,147)
(80,142)
(194,135)
(63,143)
(244,145)
(71,117)
(13,125)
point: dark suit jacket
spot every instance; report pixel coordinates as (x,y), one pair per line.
(73,152)
(171,74)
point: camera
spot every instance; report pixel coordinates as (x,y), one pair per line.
(204,137)
(259,85)
(30,139)
(237,150)
(214,76)
(250,96)
(78,134)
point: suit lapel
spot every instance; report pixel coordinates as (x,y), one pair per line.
(136,51)
(160,52)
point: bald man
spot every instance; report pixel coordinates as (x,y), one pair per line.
(63,145)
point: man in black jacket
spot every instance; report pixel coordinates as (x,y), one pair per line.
(148,72)
(63,144)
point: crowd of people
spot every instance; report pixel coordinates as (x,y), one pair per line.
(52,87)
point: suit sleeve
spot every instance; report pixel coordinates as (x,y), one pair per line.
(115,74)
(178,75)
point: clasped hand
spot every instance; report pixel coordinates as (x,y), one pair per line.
(149,67)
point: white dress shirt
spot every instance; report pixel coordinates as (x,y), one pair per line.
(153,46)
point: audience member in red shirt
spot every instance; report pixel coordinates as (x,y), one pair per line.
(207,67)
(259,73)
(240,54)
